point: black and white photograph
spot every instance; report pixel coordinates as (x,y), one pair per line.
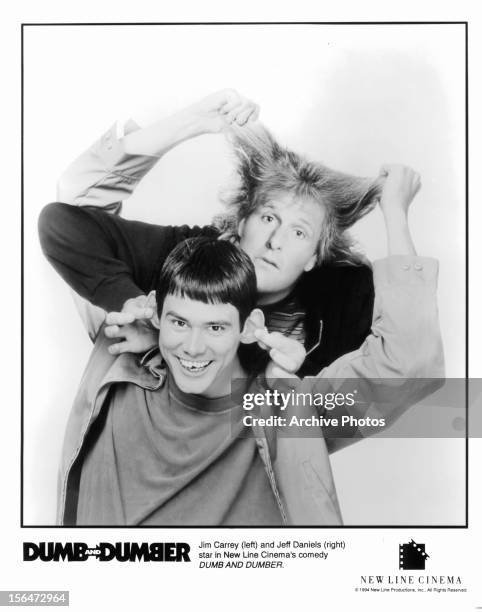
(241,305)
(278,204)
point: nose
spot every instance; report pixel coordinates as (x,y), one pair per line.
(275,240)
(194,343)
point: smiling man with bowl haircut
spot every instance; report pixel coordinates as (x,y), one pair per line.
(163,449)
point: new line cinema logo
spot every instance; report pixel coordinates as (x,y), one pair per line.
(412,556)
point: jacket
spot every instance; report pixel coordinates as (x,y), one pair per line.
(404,345)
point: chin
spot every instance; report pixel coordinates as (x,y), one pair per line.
(196,387)
(265,283)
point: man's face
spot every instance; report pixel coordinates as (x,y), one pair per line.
(281,237)
(199,343)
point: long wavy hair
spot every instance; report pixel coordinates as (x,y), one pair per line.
(264,168)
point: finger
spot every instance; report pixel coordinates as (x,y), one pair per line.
(259,334)
(264,337)
(218,99)
(233,100)
(273,339)
(230,117)
(112,331)
(238,111)
(385,170)
(282,360)
(119,318)
(117,349)
(255,114)
(244,114)
(140,312)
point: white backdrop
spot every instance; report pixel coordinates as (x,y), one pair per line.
(353,97)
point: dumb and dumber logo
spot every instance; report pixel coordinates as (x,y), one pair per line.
(120,551)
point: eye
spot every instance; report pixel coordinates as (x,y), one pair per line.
(267,218)
(178,323)
(217,329)
(300,234)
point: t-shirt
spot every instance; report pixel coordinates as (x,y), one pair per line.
(168,458)
(286,317)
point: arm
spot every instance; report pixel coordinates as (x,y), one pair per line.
(105,174)
(405,298)
(405,338)
(401,361)
(109,171)
(108,261)
(104,258)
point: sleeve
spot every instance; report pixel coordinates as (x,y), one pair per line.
(405,336)
(104,258)
(104,175)
(401,361)
(92,316)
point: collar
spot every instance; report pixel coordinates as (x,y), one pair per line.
(313,340)
(148,371)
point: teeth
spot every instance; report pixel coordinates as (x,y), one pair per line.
(193,365)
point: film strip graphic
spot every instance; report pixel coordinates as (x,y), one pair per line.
(412,556)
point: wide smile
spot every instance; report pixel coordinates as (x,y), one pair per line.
(194,367)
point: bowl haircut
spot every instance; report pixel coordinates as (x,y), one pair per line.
(211,271)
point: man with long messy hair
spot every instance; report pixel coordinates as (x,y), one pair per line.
(265,168)
(290,215)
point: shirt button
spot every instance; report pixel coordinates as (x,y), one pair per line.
(405,267)
(418,266)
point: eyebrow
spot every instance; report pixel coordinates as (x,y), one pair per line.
(172,313)
(304,222)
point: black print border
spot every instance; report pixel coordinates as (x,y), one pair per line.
(255,23)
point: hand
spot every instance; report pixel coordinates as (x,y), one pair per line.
(133,326)
(287,355)
(400,187)
(222,109)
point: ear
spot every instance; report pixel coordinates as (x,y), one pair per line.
(241,225)
(253,322)
(151,303)
(310,264)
